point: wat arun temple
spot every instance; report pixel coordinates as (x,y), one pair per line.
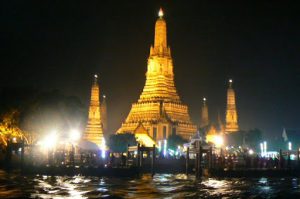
(159,109)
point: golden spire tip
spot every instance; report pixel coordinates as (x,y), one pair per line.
(160,13)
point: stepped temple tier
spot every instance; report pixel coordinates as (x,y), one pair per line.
(94,132)
(231,112)
(159,108)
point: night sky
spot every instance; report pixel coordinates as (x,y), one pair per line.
(61,44)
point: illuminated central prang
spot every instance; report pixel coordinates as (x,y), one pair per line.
(159,108)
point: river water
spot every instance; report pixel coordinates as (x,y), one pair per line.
(160,186)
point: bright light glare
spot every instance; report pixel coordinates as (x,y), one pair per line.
(103,146)
(290,146)
(251,152)
(50,140)
(74,135)
(165,148)
(160,13)
(265,146)
(159,146)
(261,147)
(218,141)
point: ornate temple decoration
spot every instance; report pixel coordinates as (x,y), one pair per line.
(94,132)
(231,112)
(159,107)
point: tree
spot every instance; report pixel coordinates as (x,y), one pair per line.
(174,141)
(9,127)
(119,142)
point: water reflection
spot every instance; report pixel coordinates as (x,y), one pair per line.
(146,186)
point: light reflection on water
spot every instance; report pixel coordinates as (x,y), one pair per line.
(160,186)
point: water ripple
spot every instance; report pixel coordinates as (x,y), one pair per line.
(13,185)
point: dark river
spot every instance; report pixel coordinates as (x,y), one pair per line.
(160,186)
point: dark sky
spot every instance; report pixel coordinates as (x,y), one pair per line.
(61,44)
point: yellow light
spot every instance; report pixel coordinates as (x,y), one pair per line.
(215,139)
(230,80)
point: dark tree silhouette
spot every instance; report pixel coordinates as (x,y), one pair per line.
(174,141)
(118,143)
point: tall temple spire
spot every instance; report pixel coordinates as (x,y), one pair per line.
(231,112)
(204,121)
(104,115)
(94,132)
(160,38)
(159,107)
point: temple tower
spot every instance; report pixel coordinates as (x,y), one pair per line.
(104,115)
(231,112)
(93,131)
(204,121)
(159,107)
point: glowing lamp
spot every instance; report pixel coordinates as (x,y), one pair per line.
(165,148)
(265,147)
(250,152)
(74,135)
(290,146)
(103,146)
(218,141)
(51,140)
(159,146)
(261,148)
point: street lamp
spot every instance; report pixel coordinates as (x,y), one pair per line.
(290,146)
(265,147)
(165,147)
(103,149)
(262,149)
